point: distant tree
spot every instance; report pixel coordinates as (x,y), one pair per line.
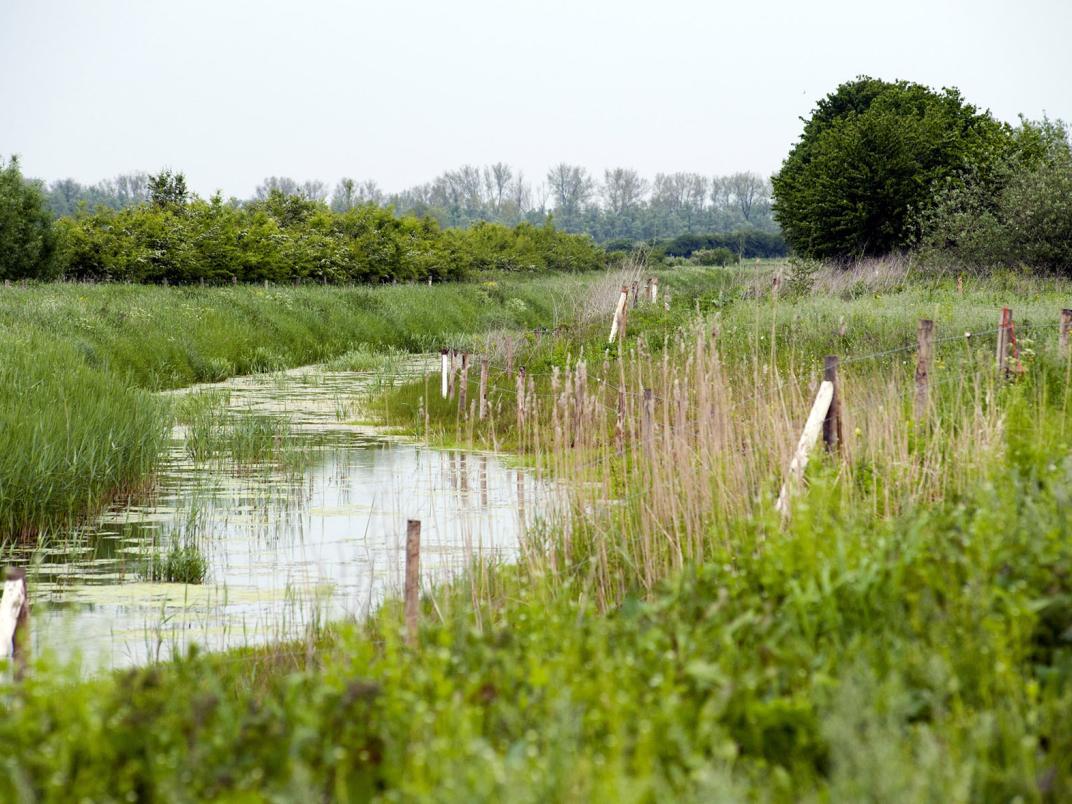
(870,157)
(167,189)
(131,189)
(27,241)
(497,179)
(571,189)
(284,184)
(623,191)
(749,192)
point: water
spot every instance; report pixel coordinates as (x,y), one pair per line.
(284,548)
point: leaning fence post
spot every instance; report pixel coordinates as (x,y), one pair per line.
(832,421)
(15,621)
(924,353)
(1066,326)
(444,369)
(812,427)
(483,410)
(619,310)
(413,578)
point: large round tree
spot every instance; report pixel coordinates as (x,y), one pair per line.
(868,161)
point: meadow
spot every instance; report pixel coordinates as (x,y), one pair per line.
(903,634)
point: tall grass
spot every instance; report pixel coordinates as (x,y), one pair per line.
(76,427)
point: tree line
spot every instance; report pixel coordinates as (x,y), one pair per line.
(173,236)
(621,206)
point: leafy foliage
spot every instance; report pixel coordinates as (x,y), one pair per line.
(26,238)
(870,157)
(1020,213)
(288,238)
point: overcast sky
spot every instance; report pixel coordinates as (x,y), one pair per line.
(230,91)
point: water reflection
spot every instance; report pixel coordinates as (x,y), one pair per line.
(283,548)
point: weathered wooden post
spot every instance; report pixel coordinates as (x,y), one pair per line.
(463,387)
(832,421)
(1066,327)
(619,424)
(1004,329)
(648,422)
(654,289)
(483,409)
(647,290)
(413,579)
(450,376)
(666,301)
(636,291)
(444,366)
(520,401)
(924,354)
(619,311)
(15,620)
(812,427)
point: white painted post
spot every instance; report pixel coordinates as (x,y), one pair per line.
(619,311)
(813,428)
(15,619)
(444,363)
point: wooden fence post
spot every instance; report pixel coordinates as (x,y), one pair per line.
(444,365)
(619,424)
(1003,341)
(924,354)
(619,311)
(450,376)
(483,410)
(1066,326)
(463,387)
(636,291)
(648,422)
(413,578)
(654,289)
(812,427)
(15,621)
(832,421)
(520,401)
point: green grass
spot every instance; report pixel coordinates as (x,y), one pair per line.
(181,563)
(905,636)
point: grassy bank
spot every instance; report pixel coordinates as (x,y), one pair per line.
(77,424)
(904,635)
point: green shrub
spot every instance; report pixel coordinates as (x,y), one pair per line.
(714,256)
(1018,214)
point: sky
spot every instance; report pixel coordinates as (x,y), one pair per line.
(231,91)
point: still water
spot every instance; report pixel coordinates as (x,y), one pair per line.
(284,548)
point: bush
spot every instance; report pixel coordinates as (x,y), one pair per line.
(714,256)
(26,237)
(1020,214)
(870,157)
